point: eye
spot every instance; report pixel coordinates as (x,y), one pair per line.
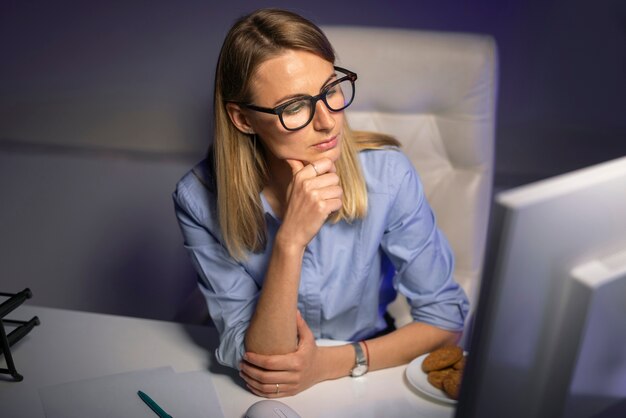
(332,90)
(295,107)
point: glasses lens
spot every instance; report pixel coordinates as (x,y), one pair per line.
(340,95)
(297,114)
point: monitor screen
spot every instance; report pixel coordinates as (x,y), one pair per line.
(549,337)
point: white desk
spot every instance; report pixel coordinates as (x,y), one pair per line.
(70,346)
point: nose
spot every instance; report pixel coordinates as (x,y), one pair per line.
(323,120)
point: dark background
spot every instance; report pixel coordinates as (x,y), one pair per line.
(104,105)
(137,75)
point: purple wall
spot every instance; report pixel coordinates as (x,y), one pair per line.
(104,105)
(137,75)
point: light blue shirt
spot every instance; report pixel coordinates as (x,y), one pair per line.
(344,265)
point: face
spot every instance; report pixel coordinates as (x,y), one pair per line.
(279,79)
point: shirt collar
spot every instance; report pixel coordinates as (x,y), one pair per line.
(267,208)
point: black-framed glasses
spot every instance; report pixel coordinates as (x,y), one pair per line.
(298,112)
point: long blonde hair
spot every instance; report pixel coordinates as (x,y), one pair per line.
(239,163)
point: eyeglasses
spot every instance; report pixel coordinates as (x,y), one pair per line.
(298,113)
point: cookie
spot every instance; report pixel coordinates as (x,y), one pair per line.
(459,365)
(436,377)
(452,384)
(442,358)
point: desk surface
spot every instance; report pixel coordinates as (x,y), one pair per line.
(70,346)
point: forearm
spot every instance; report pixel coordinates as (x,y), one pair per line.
(304,205)
(407,343)
(335,362)
(397,348)
(272,328)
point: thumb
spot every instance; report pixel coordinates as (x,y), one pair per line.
(296,165)
(304,332)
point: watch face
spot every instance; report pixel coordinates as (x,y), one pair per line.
(359,370)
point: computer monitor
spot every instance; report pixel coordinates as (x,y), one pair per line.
(549,336)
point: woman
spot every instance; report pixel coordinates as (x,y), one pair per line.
(294,222)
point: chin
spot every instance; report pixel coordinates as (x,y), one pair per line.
(333,154)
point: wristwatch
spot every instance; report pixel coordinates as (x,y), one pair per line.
(360,367)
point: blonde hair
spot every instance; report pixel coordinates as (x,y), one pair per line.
(239,163)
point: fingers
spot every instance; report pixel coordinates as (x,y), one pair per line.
(311,199)
(275,362)
(262,382)
(323,186)
(295,165)
(322,166)
(250,372)
(292,372)
(271,390)
(313,169)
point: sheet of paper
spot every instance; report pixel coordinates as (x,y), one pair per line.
(106,396)
(24,401)
(190,394)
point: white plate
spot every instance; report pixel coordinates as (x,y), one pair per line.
(323,342)
(418,379)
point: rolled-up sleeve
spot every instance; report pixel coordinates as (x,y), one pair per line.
(230,292)
(420,253)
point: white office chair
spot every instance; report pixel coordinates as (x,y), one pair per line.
(436,93)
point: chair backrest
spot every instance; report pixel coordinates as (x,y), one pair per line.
(436,93)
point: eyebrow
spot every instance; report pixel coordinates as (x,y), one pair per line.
(299,95)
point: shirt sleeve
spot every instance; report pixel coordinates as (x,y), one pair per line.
(230,292)
(420,252)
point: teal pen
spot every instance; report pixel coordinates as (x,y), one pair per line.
(153,405)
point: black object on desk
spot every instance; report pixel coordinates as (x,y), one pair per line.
(22,328)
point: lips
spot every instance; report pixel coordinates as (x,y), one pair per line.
(327,144)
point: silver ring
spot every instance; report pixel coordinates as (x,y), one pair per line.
(317,173)
(277,389)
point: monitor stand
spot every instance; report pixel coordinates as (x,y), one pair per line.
(593,359)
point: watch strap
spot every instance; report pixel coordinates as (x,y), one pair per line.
(360,359)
